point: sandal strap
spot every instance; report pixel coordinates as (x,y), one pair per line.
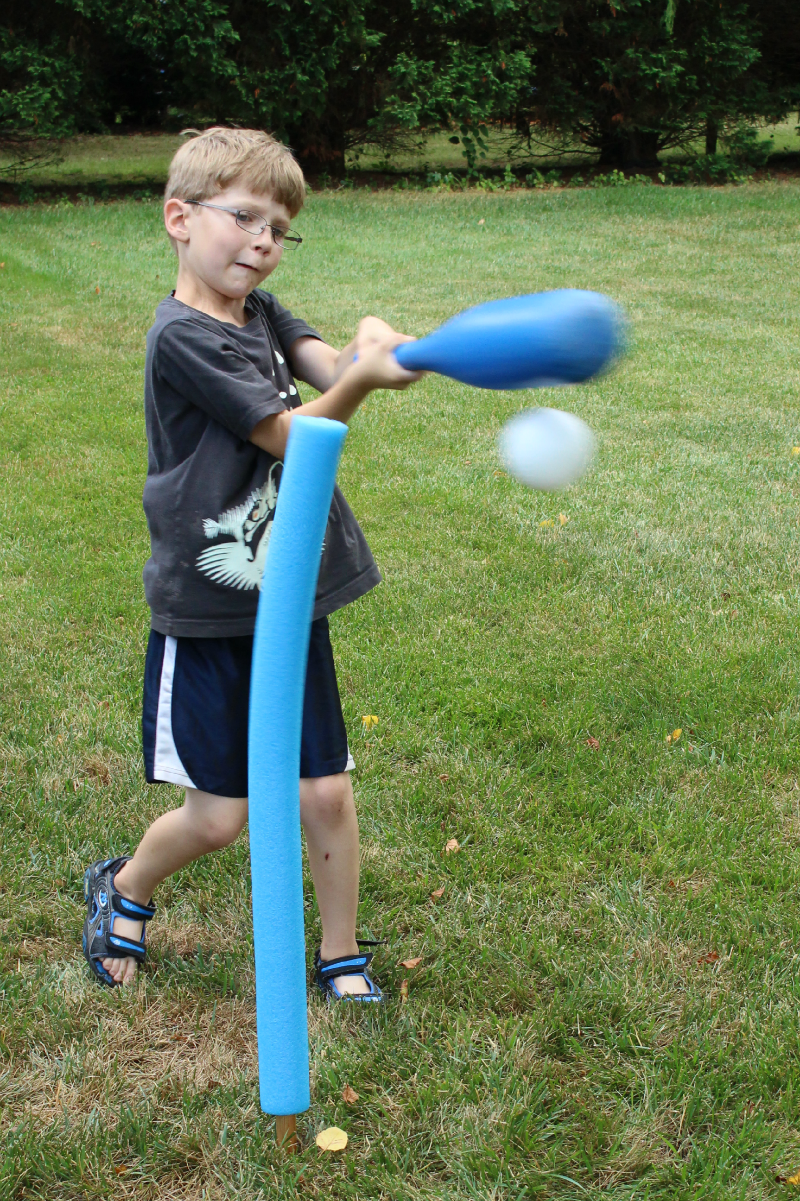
(128,908)
(348,965)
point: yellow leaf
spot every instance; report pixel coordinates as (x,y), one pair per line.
(451,846)
(676,734)
(481,222)
(795,449)
(439,892)
(796,1178)
(332,1139)
(546,524)
(349,1095)
(404,991)
(562,519)
(411,963)
(369,720)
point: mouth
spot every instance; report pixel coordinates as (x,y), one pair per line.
(247,266)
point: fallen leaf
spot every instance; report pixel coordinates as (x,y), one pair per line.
(593,743)
(795,449)
(211,1084)
(793,1179)
(671,884)
(409,963)
(331,1139)
(482,221)
(349,1095)
(562,519)
(546,524)
(438,893)
(444,777)
(451,846)
(121,1169)
(709,957)
(97,289)
(676,734)
(404,991)
(369,720)
(3,265)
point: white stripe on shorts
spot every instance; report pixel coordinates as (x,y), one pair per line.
(167,764)
(351,763)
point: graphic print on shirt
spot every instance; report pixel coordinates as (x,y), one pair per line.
(240,563)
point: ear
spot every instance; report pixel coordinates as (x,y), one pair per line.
(175,214)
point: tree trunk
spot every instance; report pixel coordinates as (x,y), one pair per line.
(629,149)
(319,147)
(712,130)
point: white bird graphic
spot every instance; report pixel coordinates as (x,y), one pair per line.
(239,564)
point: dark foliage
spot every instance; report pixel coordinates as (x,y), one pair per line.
(626,77)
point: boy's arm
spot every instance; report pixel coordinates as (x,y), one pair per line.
(376,368)
(318,364)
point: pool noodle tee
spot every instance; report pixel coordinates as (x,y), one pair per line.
(210,494)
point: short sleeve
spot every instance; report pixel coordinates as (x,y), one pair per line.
(287,327)
(211,371)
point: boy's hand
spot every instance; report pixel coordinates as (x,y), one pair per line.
(371,332)
(376,366)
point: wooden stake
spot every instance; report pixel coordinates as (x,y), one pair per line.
(286,1133)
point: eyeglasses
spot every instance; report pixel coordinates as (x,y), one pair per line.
(254,223)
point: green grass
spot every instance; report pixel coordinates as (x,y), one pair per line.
(607,1001)
(141,161)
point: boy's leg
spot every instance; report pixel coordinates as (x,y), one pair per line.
(203,823)
(328,814)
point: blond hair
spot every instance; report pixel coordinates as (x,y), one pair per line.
(212,161)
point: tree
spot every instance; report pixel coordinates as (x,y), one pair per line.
(74,66)
(629,78)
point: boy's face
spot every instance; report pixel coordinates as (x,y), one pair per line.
(216,250)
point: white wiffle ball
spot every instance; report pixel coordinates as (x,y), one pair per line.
(546,449)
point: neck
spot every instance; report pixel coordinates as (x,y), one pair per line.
(192,291)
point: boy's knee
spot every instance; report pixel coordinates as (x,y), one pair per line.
(217,820)
(220,831)
(326,798)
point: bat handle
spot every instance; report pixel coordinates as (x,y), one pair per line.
(286,1133)
(407,355)
(404,355)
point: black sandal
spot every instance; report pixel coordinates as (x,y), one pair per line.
(326,971)
(103,902)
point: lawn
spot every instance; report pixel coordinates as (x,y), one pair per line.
(140,161)
(607,1000)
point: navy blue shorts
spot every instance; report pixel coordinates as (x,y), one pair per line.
(195,712)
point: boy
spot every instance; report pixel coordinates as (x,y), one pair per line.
(219,397)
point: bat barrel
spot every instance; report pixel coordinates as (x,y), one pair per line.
(280,655)
(542,340)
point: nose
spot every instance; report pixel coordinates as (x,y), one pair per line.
(265,240)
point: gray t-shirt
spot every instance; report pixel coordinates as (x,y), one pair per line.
(210,494)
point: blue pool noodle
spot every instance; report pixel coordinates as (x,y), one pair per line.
(280,654)
(537,341)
